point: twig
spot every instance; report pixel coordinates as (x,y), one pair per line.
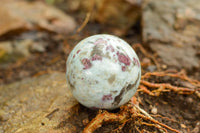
(145,90)
(84,22)
(176,75)
(157,126)
(180,90)
(147,54)
(146,114)
(103,116)
(121,126)
(155,121)
(87,18)
(164,118)
(138,129)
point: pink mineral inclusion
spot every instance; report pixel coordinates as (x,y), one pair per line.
(96,57)
(123,59)
(78,51)
(107,97)
(136,61)
(100,41)
(110,47)
(86,62)
(123,68)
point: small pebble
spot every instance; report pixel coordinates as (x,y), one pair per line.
(151,68)
(189,100)
(154,110)
(183,125)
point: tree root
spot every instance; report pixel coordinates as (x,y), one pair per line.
(180,75)
(104,116)
(127,112)
(166,87)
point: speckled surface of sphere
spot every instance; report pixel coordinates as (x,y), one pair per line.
(103,72)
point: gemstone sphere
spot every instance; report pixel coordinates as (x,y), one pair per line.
(103,72)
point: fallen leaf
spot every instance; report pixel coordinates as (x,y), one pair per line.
(21,15)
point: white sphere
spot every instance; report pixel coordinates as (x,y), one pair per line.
(103,72)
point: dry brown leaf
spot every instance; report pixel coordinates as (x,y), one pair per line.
(20,15)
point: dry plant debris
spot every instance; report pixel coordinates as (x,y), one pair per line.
(128,112)
(163,87)
(132,111)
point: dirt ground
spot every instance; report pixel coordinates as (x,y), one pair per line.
(183,110)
